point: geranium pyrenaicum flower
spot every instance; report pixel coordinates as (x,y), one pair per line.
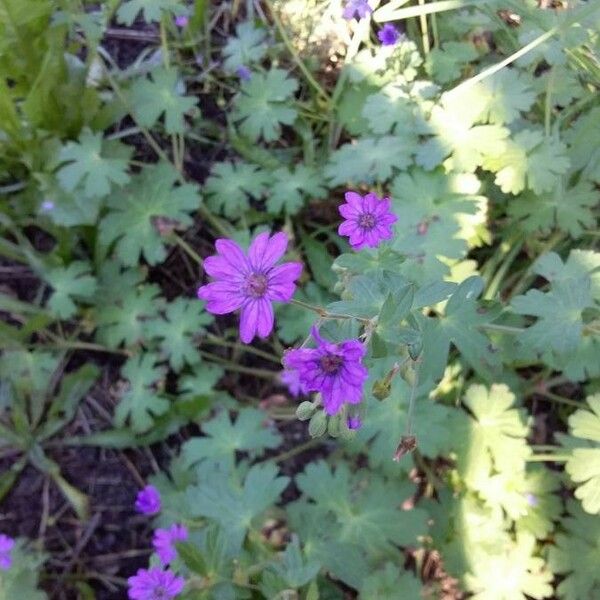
(335,370)
(360,8)
(148,501)
(164,542)
(6,546)
(182,21)
(154,584)
(244,73)
(250,282)
(388,35)
(354,422)
(368,220)
(291,379)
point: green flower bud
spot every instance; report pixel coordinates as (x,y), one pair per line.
(382,388)
(305,410)
(317,424)
(334,426)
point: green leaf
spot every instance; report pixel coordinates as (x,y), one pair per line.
(460,325)
(584,465)
(249,45)
(386,583)
(512,573)
(152,10)
(162,93)
(263,105)
(445,64)
(543,504)
(530,159)
(290,189)
(94,164)
(230,185)
(319,261)
(582,137)
(223,438)
(131,221)
(69,284)
(21,580)
(140,403)
(576,555)
(457,136)
(370,160)
(498,431)
(192,558)
(184,319)
(566,208)
(235,506)
(122,306)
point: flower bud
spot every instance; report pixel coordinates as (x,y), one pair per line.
(305,410)
(317,425)
(382,388)
(334,426)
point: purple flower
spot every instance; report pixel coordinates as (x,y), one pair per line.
(164,542)
(335,370)
(148,501)
(291,379)
(6,546)
(368,220)
(244,73)
(182,21)
(47,206)
(389,35)
(154,584)
(532,499)
(360,8)
(250,282)
(354,422)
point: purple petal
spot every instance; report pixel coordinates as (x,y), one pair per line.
(265,317)
(348,212)
(249,321)
(233,254)
(217,266)
(349,228)
(221,297)
(265,252)
(355,200)
(281,281)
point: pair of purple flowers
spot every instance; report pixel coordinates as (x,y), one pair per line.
(157,583)
(359,9)
(252,282)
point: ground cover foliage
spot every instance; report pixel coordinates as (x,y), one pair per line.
(134,134)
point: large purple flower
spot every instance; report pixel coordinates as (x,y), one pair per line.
(368,220)
(360,8)
(148,501)
(154,584)
(6,546)
(164,542)
(250,282)
(335,370)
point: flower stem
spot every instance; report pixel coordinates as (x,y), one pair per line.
(324,314)
(548,458)
(229,366)
(217,341)
(411,400)
(187,248)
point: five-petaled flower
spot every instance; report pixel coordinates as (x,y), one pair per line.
(368,220)
(147,501)
(164,542)
(6,546)
(335,370)
(358,8)
(250,282)
(154,584)
(388,35)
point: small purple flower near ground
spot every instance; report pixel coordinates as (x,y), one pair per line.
(6,546)
(354,422)
(250,282)
(358,8)
(164,542)
(291,379)
(388,35)
(244,73)
(182,21)
(368,220)
(148,501)
(532,499)
(154,584)
(47,206)
(335,370)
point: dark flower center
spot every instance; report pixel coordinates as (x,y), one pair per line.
(367,220)
(160,594)
(256,285)
(331,363)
